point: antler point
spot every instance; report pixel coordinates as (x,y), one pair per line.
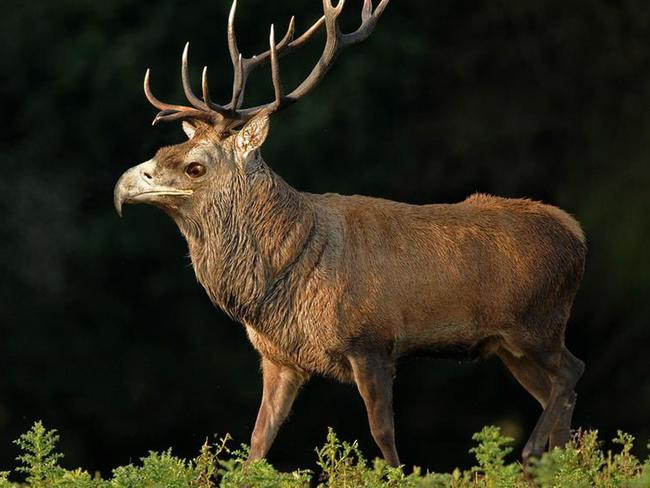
(231,15)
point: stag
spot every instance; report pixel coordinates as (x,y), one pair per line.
(344,286)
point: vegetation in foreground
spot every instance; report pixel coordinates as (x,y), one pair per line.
(583,463)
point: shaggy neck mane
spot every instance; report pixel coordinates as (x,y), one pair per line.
(246,242)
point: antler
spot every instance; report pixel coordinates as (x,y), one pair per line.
(232,114)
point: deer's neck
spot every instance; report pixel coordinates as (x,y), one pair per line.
(247,246)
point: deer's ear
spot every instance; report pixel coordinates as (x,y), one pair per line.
(253,134)
(189,128)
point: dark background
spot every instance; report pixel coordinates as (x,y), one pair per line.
(105,333)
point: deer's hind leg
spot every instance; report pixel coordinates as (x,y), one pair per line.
(564,370)
(550,377)
(562,430)
(529,375)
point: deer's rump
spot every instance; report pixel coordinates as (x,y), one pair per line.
(455,276)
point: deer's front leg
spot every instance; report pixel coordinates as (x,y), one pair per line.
(281,385)
(374,378)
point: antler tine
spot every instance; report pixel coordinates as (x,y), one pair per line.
(237,85)
(152,99)
(169,111)
(308,34)
(204,86)
(288,36)
(185,77)
(366,11)
(368,21)
(275,71)
(207,101)
(239,74)
(232,37)
(188,113)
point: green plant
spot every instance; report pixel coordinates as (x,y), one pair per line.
(581,464)
(492,449)
(4,479)
(39,460)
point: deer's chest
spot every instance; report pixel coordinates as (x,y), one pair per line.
(306,356)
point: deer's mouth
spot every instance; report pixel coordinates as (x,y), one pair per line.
(153,196)
(137,186)
(165,192)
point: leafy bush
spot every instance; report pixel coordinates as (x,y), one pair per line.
(581,464)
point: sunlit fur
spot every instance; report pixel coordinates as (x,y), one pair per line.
(319,279)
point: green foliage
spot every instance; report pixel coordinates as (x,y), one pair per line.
(236,472)
(491,451)
(39,459)
(158,469)
(4,480)
(582,464)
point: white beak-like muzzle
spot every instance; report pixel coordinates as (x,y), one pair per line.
(138,185)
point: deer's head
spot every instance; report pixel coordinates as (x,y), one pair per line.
(224,140)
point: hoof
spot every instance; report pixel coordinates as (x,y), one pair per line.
(528,454)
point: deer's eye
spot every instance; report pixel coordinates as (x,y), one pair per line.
(194,170)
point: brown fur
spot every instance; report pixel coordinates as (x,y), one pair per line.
(343,286)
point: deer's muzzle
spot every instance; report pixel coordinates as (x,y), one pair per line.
(138,185)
